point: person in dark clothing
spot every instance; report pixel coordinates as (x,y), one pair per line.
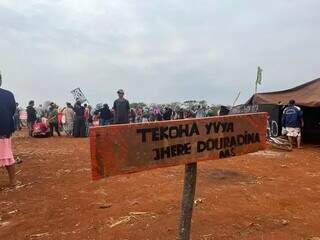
(90,119)
(53,119)
(121,108)
(31,116)
(7,110)
(79,129)
(158,116)
(167,114)
(180,113)
(132,116)
(106,116)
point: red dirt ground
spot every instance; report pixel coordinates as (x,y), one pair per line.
(267,195)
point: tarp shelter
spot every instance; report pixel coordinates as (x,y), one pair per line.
(307,96)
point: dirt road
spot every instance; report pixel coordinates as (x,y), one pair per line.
(267,195)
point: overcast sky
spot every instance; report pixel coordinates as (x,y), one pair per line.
(157,51)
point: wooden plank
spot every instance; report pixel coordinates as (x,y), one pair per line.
(120,149)
(189,189)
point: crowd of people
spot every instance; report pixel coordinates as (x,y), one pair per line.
(141,113)
(75,120)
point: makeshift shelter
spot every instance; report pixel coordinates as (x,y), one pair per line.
(307,96)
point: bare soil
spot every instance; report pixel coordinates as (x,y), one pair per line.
(266,195)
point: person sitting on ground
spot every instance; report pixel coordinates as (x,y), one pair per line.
(292,122)
(121,109)
(31,116)
(7,110)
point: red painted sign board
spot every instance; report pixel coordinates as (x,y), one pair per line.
(121,149)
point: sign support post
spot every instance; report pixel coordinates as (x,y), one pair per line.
(189,188)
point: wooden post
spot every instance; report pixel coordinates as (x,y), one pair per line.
(190,180)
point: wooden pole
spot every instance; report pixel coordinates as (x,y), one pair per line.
(190,180)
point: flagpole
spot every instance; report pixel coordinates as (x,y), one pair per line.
(256,83)
(236,99)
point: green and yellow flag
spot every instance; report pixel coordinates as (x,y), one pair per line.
(259,76)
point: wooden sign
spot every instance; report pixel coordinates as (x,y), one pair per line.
(120,149)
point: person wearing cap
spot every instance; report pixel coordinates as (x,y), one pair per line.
(121,109)
(7,110)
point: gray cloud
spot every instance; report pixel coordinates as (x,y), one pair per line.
(158,51)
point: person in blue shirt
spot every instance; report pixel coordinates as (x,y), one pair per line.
(292,122)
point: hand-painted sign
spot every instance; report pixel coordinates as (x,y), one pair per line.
(78,95)
(119,149)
